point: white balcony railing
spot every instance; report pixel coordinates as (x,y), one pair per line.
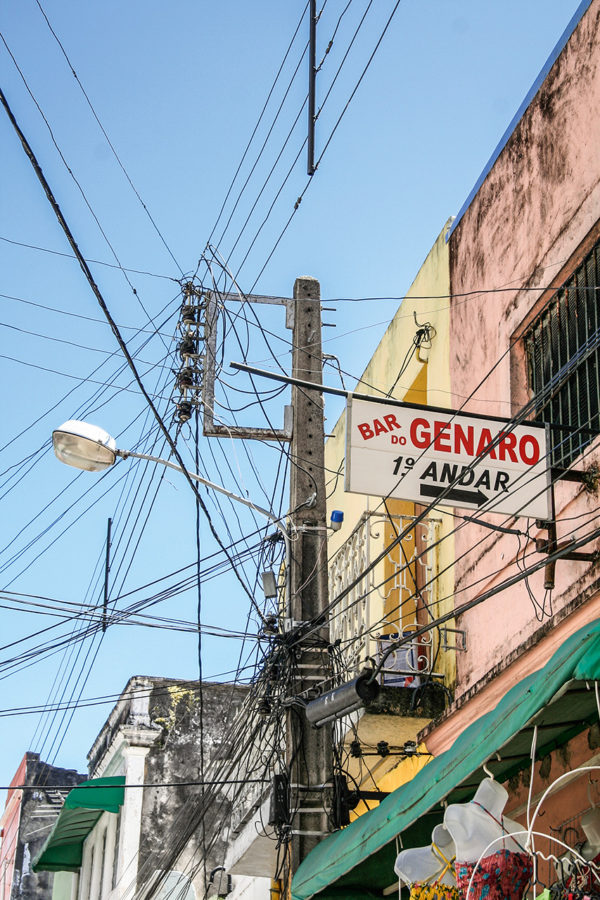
(392,598)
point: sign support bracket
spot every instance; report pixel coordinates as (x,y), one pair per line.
(551,545)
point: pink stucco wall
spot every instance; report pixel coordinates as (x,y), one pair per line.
(532,221)
(9,826)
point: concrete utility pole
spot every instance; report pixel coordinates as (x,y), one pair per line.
(309,751)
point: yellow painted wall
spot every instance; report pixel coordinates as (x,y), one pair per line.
(401,774)
(423,382)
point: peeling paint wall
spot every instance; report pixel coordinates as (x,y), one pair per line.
(195,723)
(529,225)
(160,732)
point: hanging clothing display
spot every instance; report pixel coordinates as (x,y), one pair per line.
(433,891)
(436,890)
(560,892)
(476,828)
(581,895)
(506,874)
(503,875)
(585,877)
(433,864)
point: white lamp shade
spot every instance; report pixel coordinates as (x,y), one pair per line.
(84,446)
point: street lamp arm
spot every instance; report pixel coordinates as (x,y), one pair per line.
(124,454)
(219,489)
(91,448)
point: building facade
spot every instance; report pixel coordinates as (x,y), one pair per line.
(413,581)
(143,824)
(523,337)
(27,818)
(482,629)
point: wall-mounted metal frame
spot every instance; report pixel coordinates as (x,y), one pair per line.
(453,639)
(209,426)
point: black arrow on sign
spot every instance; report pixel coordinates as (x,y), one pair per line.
(456,494)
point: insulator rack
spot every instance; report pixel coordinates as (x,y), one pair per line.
(191,324)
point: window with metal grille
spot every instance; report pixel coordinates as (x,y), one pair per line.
(562,346)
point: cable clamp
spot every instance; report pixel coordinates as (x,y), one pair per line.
(310,833)
(311,810)
(311,787)
(290,624)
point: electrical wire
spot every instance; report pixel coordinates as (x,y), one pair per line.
(111,321)
(108,141)
(95,262)
(73,315)
(71,174)
(264,108)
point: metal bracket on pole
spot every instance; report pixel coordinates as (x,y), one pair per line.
(551,546)
(211,428)
(290,624)
(589,477)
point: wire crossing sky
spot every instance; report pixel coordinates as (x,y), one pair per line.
(174,141)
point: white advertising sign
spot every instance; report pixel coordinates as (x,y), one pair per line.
(418,453)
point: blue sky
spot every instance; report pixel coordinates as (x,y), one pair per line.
(179,89)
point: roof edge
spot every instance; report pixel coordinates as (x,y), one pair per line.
(559,47)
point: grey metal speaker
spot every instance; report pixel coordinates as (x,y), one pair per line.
(342,700)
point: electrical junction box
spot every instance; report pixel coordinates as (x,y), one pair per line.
(279,807)
(401,667)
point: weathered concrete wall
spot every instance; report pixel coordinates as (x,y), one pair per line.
(530,224)
(195,721)
(161,732)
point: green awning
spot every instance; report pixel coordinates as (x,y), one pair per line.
(82,808)
(560,699)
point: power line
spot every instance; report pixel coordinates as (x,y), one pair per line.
(324,150)
(450,566)
(571,545)
(135,619)
(265,142)
(85,268)
(542,398)
(95,262)
(78,345)
(66,312)
(114,698)
(89,786)
(85,380)
(244,154)
(109,142)
(72,174)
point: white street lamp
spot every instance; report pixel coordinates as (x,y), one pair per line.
(88,447)
(84,446)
